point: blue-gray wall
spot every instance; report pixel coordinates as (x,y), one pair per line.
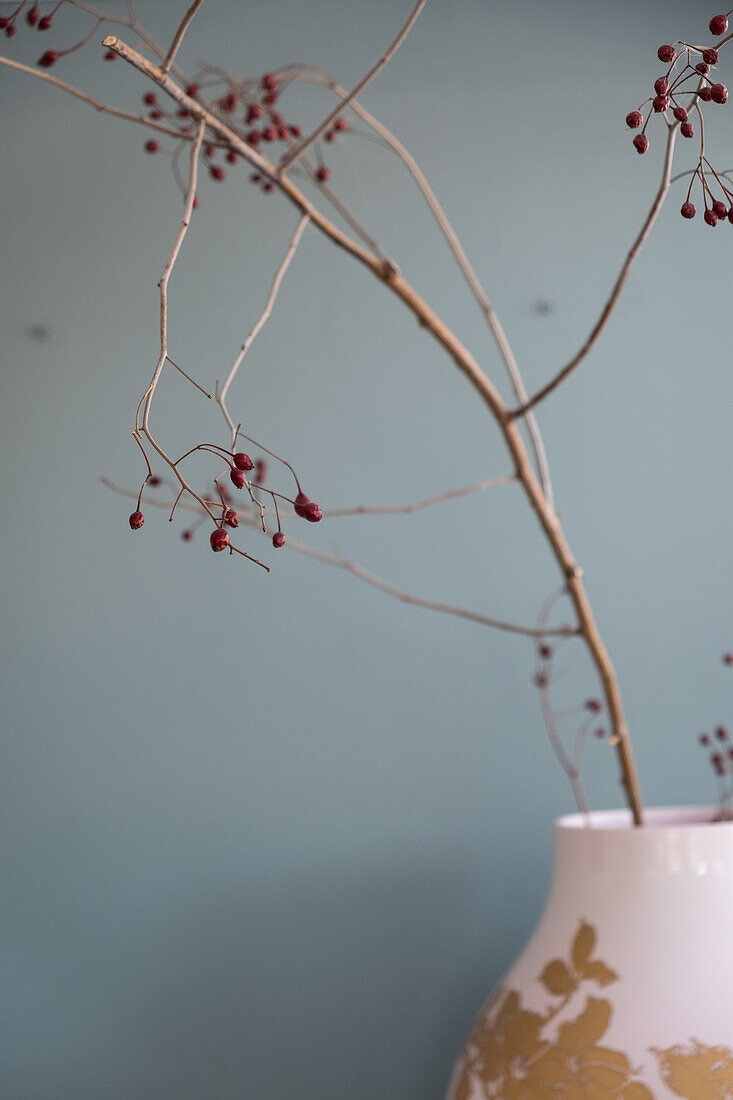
(267,837)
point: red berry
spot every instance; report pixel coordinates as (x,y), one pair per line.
(278,540)
(720,209)
(183,112)
(10,31)
(209,150)
(282,132)
(229,101)
(269,133)
(687,210)
(254,111)
(237,478)
(634,120)
(268,186)
(217,172)
(660,103)
(641,143)
(270,98)
(253,137)
(196,202)
(231,518)
(306,509)
(600,733)
(34,15)
(702,68)
(540,679)
(728,659)
(661,85)
(680,114)
(260,471)
(219,540)
(136,520)
(718,24)
(323,174)
(232,157)
(721,733)
(150,98)
(595,706)
(719,93)
(687,130)
(710,56)
(730,215)
(269,82)
(705,94)
(243,461)
(665,53)
(711,218)
(296,132)
(110,55)
(45,22)
(192,90)
(340,124)
(704,739)
(330,135)
(544,651)
(151,146)
(156,114)
(49,58)
(186,535)
(155,481)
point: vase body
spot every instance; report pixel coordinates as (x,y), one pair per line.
(626,987)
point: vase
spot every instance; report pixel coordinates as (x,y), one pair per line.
(626,987)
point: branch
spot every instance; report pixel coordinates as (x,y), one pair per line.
(347,99)
(324,79)
(610,305)
(178,36)
(114,111)
(467,364)
(279,274)
(405,509)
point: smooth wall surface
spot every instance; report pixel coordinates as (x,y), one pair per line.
(277,836)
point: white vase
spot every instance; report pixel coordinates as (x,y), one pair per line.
(626,987)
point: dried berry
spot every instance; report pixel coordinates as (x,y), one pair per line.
(150,98)
(217,172)
(45,22)
(660,103)
(706,94)
(710,56)
(269,82)
(711,217)
(219,540)
(634,120)
(306,509)
(718,24)
(680,114)
(237,478)
(151,146)
(595,706)
(719,93)
(666,53)
(278,540)
(231,518)
(720,209)
(323,174)
(33,15)
(687,130)
(661,85)
(46,60)
(641,143)
(243,461)
(137,519)
(687,210)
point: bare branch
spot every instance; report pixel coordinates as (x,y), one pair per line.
(114,111)
(261,321)
(404,509)
(347,99)
(178,36)
(610,305)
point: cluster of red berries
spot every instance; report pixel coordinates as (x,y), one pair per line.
(33,18)
(667,88)
(239,466)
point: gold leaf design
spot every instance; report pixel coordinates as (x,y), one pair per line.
(516,1054)
(583,945)
(557,979)
(696,1071)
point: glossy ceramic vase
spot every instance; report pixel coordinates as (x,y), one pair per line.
(626,987)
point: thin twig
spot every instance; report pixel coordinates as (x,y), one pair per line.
(259,324)
(404,509)
(618,286)
(291,158)
(178,36)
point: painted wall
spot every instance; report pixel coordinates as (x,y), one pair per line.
(276,836)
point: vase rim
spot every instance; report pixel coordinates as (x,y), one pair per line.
(655,817)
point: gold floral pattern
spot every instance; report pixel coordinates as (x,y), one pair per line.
(697,1071)
(516,1054)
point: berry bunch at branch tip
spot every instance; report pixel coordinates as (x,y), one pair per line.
(720,756)
(688,76)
